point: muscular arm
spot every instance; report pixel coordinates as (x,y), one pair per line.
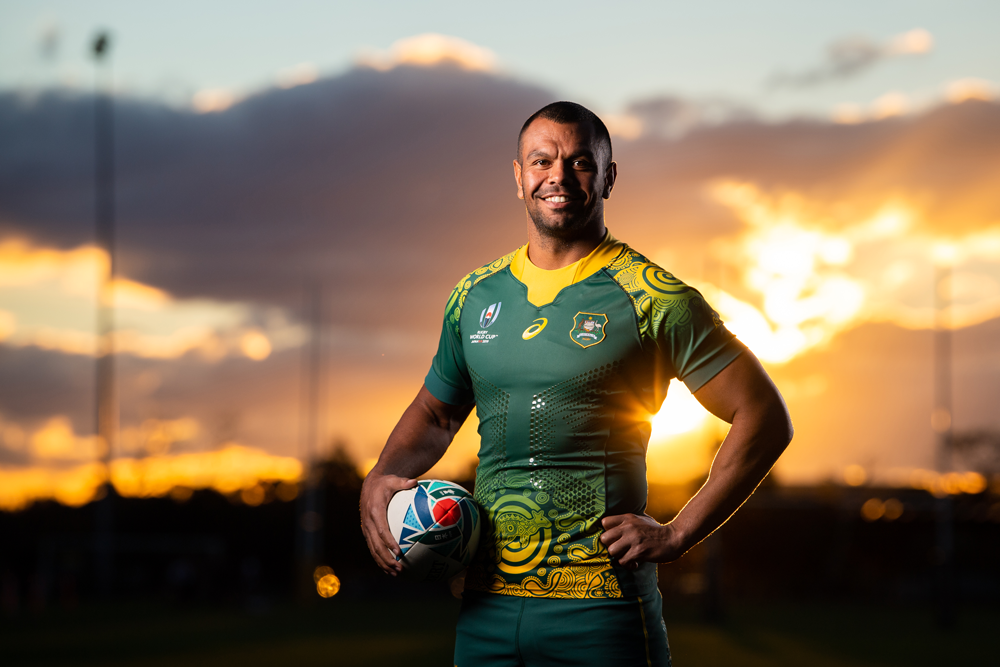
(419,440)
(743,395)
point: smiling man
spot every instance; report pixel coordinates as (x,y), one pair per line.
(566,347)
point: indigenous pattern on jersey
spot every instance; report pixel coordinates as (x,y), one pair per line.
(564,393)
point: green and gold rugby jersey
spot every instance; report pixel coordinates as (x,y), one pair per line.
(565,391)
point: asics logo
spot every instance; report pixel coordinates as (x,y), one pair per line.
(535,328)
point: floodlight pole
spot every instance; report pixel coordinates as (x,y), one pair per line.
(310,514)
(943,423)
(106,417)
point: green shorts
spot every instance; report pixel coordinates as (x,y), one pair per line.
(507,631)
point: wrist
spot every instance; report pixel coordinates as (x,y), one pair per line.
(676,539)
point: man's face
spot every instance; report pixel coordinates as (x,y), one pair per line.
(563,177)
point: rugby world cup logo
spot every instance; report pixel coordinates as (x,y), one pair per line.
(489,315)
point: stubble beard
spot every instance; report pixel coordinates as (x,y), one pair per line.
(569,230)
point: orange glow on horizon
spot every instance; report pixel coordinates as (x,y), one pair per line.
(232,469)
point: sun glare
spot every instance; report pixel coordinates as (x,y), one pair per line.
(804,278)
(681,413)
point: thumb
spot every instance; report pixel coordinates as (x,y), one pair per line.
(400,483)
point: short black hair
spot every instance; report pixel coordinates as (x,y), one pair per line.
(566,113)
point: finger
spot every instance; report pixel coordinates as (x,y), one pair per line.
(609,537)
(397,483)
(383,558)
(614,520)
(383,545)
(390,485)
(631,557)
(377,556)
(390,547)
(619,547)
(380,541)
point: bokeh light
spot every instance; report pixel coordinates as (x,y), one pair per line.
(328,586)
(855,475)
(320,572)
(873,509)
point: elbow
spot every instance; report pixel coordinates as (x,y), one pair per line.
(781,420)
(775,425)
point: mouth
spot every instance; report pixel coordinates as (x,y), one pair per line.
(558,199)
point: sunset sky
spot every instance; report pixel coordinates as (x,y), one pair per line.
(805,166)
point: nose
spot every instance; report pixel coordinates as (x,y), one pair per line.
(559,172)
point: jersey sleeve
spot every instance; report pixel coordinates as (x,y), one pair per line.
(448,378)
(696,344)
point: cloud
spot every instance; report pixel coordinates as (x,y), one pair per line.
(213,100)
(54,293)
(431,50)
(852,56)
(963,90)
(811,282)
(298,75)
(671,117)
(284,188)
(386,186)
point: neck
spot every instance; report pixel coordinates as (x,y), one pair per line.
(550,253)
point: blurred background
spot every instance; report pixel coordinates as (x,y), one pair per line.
(228,232)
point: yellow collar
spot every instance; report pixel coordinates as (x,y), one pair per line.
(544,285)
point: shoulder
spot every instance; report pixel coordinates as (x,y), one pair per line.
(453,311)
(661,301)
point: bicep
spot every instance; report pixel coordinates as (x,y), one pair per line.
(741,387)
(445,415)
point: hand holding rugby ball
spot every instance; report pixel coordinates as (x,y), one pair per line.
(436,525)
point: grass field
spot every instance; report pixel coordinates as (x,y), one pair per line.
(349,632)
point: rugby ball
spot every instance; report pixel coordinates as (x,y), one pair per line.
(436,525)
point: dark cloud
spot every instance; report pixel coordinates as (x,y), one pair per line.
(845,58)
(671,117)
(941,163)
(366,179)
(388,187)
(37,384)
(854,55)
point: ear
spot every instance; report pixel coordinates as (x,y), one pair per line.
(609,179)
(517,178)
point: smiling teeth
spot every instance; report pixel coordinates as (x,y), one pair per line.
(557,200)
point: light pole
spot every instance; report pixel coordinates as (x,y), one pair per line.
(106,417)
(310,517)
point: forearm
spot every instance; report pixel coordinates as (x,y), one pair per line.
(419,440)
(754,443)
(743,395)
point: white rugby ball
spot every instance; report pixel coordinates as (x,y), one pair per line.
(436,525)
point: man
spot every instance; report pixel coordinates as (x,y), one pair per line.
(566,347)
